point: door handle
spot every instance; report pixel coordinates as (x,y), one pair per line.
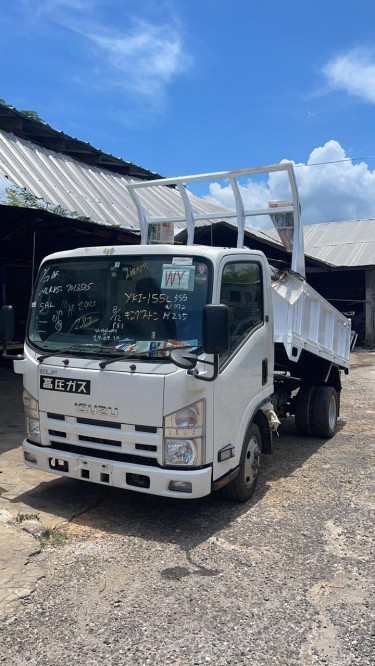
(264,371)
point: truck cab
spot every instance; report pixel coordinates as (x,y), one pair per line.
(108,395)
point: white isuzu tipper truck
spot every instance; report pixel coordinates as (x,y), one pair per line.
(164,369)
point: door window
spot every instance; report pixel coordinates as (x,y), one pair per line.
(242,292)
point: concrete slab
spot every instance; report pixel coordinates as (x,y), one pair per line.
(18,574)
(28,496)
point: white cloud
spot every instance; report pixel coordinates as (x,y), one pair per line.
(332,188)
(137,56)
(148,56)
(353,72)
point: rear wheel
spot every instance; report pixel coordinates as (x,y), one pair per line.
(324,413)
(303,410)
(243,486)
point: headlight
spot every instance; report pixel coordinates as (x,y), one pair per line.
(185,435)
(31,407)
(181,452)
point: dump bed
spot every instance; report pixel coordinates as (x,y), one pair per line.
(304,320)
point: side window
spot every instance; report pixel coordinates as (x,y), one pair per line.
(242,292)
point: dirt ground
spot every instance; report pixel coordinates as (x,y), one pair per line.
(93,575)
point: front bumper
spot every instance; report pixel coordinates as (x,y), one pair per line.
(140,478)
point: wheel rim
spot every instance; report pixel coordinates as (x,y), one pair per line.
(332,413)
(252,462)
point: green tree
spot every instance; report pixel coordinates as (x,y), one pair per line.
(34,115)
(22,198)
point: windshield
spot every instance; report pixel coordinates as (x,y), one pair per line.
(144,304)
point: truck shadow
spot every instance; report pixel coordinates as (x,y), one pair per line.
(158,520)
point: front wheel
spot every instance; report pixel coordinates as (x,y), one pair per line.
(243,486)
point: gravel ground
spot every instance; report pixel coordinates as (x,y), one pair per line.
(286,580)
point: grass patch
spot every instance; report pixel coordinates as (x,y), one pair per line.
(47,536)
(52,536)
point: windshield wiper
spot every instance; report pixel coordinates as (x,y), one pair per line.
(115,357)
(69,350)
(146,352)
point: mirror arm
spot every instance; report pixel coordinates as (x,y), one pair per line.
(9,357)
(195,373)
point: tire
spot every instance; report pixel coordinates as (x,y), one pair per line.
(324,413)
(304,409)
(243,486)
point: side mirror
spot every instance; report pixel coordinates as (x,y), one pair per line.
(7,331)
(215,330)
(183,359)
(6,323)
(215,340)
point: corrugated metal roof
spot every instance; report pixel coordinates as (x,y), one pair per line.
(340,244)
(85,190)
(350,244)
(40,133)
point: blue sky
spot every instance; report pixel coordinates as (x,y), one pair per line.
(199,86)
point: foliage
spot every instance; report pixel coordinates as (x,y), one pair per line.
(34,115)
(52,536)
(20,197)
(49,536)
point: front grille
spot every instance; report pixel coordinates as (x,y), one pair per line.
(136,443)
(143,428)
(56,433)
(105,455)
(99,440)
(146,447)
(56,417)
(105,424)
